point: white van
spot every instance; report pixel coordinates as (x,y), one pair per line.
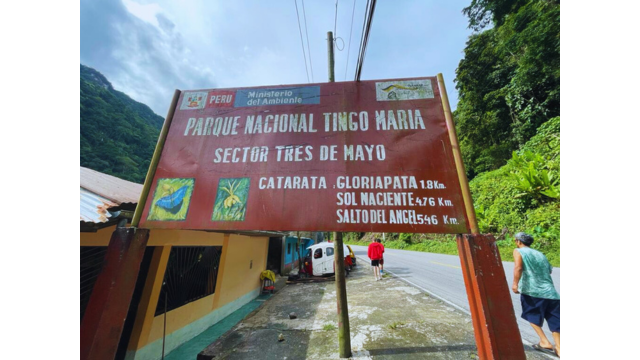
(319,259)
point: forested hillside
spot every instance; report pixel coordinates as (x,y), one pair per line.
(117,134)
(508,124)
(509,79)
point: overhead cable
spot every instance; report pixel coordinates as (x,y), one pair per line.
(371,5)
(353,12)
(302,42)
(307,33)
(335,22)
(362,36)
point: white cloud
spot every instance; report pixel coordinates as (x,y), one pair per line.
(145,12)
(148,49)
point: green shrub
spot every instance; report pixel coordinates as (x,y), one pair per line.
(533,177)
(405,238)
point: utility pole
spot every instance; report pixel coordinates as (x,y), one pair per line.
(332,77)
(344,333)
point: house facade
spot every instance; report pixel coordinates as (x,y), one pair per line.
(188,280)
(293,251)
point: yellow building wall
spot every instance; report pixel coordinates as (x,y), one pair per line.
(184,238)
(235,278)
(98,238)
(157,237)
(239,278)
(180,317)
(243,259)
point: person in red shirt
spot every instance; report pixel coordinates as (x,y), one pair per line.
(374,252)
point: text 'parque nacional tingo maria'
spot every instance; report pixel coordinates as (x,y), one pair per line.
(302,123)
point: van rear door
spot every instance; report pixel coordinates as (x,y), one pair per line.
(318,262)
(328,261)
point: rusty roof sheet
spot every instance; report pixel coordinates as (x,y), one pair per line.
(109,187)
(94,208)
(99,192)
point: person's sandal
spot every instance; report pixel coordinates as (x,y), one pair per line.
(550,350)
(556,352)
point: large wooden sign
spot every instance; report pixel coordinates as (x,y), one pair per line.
(349,156)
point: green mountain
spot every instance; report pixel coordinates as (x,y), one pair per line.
(117,134)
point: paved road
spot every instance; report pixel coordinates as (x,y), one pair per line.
(441,276)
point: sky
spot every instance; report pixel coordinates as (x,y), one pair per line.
(147,49)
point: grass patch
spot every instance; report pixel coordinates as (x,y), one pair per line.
(329,327)
(449,246)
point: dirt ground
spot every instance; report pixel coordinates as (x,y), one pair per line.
(389,319)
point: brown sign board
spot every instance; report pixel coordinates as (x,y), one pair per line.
(346,156)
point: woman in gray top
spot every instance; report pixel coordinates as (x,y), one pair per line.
(539,298)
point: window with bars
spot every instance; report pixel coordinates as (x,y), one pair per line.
(191,275)
(91,259)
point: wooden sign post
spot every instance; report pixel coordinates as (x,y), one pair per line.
(494,322)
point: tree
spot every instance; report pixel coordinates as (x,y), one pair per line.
(508,81)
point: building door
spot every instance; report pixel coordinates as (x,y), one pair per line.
(274,254)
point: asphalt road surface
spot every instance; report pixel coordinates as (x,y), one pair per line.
(441,276)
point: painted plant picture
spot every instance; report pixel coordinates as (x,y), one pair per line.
(171,199)
(231,200)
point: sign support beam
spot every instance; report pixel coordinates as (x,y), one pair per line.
(344,332)
(155,160)
(107,309)
(457,157)
(494,322)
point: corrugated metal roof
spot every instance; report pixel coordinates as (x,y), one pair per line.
(110,187)
(99,192)
(93,207)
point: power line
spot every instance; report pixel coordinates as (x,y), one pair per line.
(305,30)
(302,42)
(362,35)
(353,12)
(335,22)
(371,6)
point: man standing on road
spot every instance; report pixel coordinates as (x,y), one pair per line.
(539,298)
(375,254)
